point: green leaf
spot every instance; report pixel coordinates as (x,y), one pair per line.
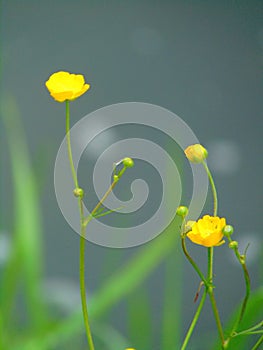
(172,306)
(26,259)
(140,319)
(110,337)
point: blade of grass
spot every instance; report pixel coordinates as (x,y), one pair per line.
(110,337)
(173,277)
(171,324)
(139,319)
(9,282)
(2,333)
(123,282)
(26,216)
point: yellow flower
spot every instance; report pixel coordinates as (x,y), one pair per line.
(196,153)
(65,86)
(207,231)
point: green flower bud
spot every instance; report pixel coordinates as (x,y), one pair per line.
(228,230)
(115,178)
(182,211)
(78,192)
(233,245)
(128,162)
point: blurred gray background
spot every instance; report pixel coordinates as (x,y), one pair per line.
(200,59)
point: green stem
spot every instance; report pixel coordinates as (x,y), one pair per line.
(217,317)
(211,259)
(192,262)
(83,289)
(241,260)
(258,343)
(211,294)
(194,321)
(249,330)
(247,281)
(206,283)
(82,238)
(74,175)
(109,190)
(248,333)
(89,218)
(213,187)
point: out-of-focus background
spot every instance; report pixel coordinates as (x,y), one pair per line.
(202,60)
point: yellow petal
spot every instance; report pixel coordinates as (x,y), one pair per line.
(65,86)
(207,231)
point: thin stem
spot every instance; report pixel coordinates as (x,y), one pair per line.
(258,343)
(241,260)
(213,187)
(74,175)
(217,317)
(244,304)
(211,259)
(83,288)
(206,283)
(192,262)
(251,329)
(194,321)
(86,221)
(111,187)
(211,293)
(248,333)
(82,238)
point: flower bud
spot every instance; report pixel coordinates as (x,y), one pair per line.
(182,211)
(196,153)
(115,178)
(128,162)
(233,245)
(228,230)
(78,192)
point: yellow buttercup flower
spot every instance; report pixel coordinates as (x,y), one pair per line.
(207,231)
(65,86)
(196,153)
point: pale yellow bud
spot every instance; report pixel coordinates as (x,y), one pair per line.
(196,153)
(78,192)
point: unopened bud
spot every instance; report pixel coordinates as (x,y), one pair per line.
(78,192)
(233,245)
(228,230)
(182,211)
(128,162)
(196,153)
